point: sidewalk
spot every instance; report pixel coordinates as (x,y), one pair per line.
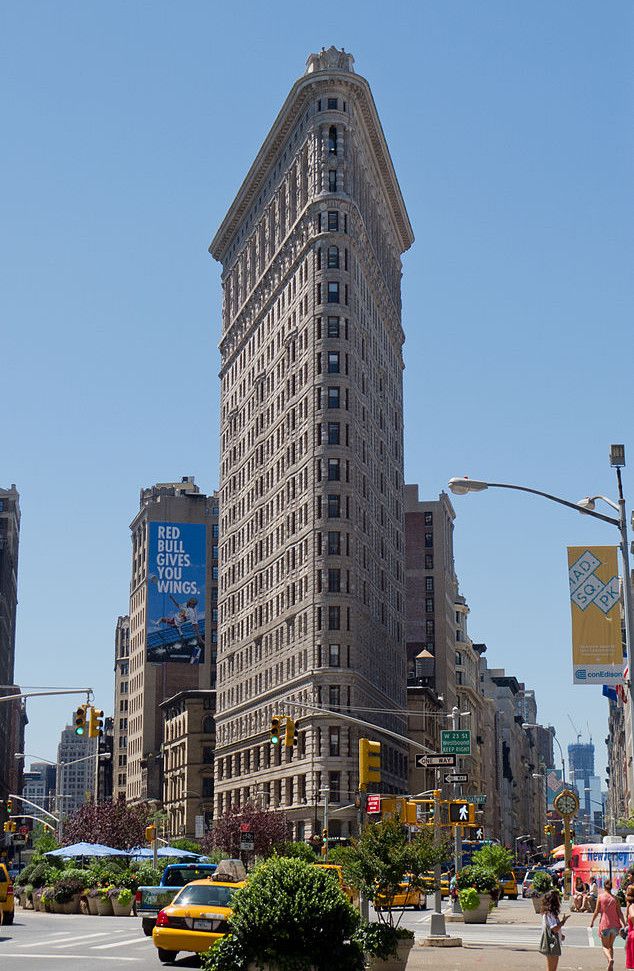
(478,957)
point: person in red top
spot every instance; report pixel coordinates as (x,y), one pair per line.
(610,923)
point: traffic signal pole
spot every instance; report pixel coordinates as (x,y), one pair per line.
(457,833)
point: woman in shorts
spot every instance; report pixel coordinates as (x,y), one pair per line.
(610,923)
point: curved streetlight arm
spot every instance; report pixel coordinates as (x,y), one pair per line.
(562,502)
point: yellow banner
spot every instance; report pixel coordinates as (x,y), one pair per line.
(597,646)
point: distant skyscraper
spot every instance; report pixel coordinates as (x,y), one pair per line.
(76,782)
(121,701)
(12,718)
(581,762)
(312,585)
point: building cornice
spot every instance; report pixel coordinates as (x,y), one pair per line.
(292,109)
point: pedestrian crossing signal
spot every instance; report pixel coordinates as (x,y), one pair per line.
(461,811)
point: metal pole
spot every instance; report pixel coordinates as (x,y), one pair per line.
(437,925)
(567,858)
(326,793)
(457,833)
(627,608)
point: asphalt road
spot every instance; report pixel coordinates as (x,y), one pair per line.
(44,942)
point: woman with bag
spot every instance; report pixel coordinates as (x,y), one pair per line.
(610,923)
(552,923)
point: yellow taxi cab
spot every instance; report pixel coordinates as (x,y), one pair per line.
(337,873)
(428,883)
(7,905)
(508,886)
(406,896)
(196,918)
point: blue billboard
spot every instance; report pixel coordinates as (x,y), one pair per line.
(177,568)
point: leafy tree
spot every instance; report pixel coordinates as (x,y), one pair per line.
(377,863)
(292,916)
(496,858)
(298,851)
(112,823)
(269,830)
(192,846)
(43,840)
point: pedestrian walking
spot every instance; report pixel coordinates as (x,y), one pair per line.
(610,922)
(552,927)
(629,941)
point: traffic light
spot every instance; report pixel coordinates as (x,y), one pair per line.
(275,730)
(369,762)
(324,836)
(461,811)
(6,827)
(80,720)
(95,723)
(10,826)
(150,833)
(9,805)
(290,733)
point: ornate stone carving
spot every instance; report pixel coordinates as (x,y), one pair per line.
(330,60)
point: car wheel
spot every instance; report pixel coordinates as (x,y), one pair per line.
(512,896)
(148,926)
(166,957)
(7,918)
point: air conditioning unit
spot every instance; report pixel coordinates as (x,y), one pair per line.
(608,840)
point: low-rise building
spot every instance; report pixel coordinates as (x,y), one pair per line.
(188,759)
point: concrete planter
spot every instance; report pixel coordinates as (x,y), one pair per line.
(537,903)
(480,913)
(395,963)
(121,910)
(92,906)
(104,907)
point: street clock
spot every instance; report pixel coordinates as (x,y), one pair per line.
(567,803)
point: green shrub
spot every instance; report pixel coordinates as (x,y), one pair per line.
(494,857)
(124,897)
(38,872)
(148,876)
(292,915)
(380,939)
(469,898)
(542,882)
(66,889)
(298,851)
(480,878)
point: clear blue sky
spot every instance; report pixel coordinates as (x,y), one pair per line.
(127,128)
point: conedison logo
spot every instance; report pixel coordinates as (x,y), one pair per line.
(581,674)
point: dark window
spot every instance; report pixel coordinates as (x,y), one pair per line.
(319,105)
(334,470)
(334,695)
(319,258)
(208,755)
(334,784)
(429,519)
(332,140)
(458,658)
(333,258)
(429,561)
(334,581)
(334,655)
(214,531)
(334,432)
(429,605)
(429,628)
(333,221)
(333,327)
(429,584)
(333,291)
(208,725)
(333,741)
(333,362)
(429,540)
(334,506)
(332,104)
(332,180)
(208,788)
(334,618)
(334,543)
(333,398)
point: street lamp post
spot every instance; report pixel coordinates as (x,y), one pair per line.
(461,485)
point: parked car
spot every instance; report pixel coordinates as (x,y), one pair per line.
(7,905)
(406,896)
(149,901)
(196,918)
(527,885)
(508,886)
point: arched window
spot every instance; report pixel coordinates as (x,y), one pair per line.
(332,140)
(333,257)
(208,725)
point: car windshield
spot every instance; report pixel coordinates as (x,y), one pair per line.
(211,896)
(179,876)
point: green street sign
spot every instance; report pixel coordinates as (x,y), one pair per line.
(477,800)
(455,742)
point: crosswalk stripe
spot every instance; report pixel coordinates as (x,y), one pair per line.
(54,942)
(64,957)
(130,940)
(71,941)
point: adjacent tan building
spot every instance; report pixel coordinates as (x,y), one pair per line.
(150,684)
(312,584)
(188,759)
